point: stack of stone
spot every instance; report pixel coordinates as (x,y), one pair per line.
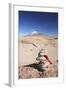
(42,61)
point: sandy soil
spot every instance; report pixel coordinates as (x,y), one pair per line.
(29,47)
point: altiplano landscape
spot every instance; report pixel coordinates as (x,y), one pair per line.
(29,48)
(37,44)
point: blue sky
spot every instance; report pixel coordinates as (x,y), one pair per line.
(42,22)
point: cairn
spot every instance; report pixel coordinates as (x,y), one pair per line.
(43,61)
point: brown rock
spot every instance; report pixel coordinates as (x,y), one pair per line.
(28,72)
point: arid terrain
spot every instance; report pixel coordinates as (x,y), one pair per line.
(29,47)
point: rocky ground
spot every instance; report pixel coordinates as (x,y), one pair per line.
(32,71)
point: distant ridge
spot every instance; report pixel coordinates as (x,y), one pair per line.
(41,34)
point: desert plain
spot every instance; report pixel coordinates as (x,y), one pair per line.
(28,48)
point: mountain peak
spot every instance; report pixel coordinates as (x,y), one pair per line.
(34,33)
